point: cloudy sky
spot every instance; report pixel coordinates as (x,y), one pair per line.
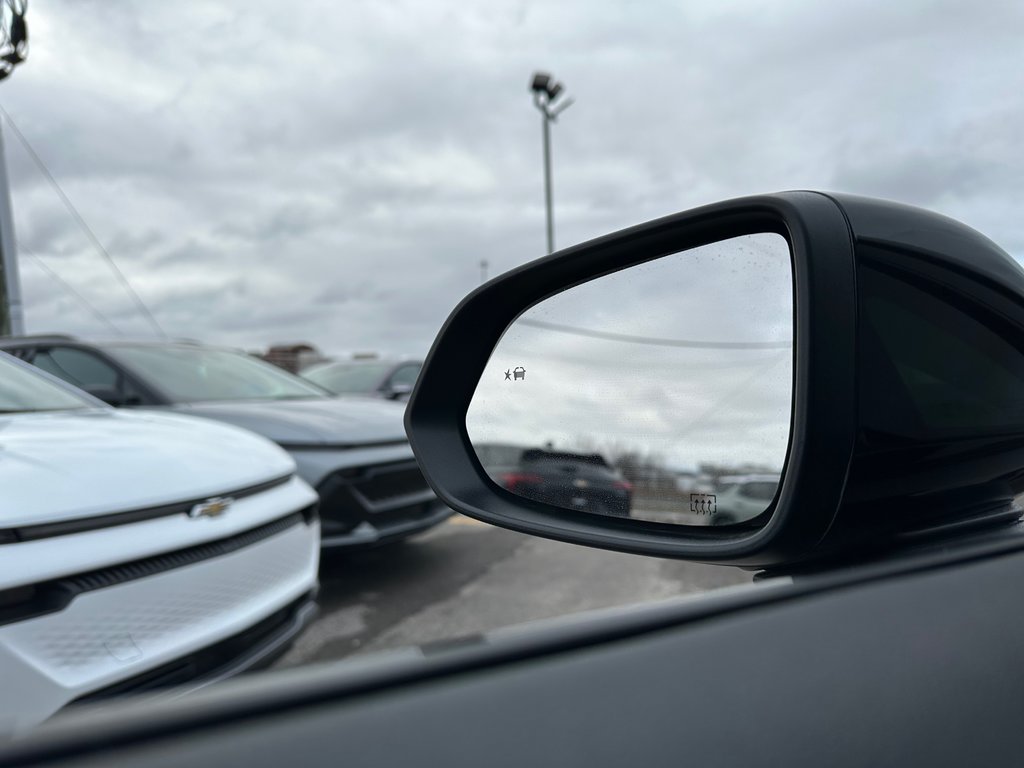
(722,394)
(335,172)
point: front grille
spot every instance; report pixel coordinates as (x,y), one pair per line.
(22,603)
(213,661)
(382,494)
(392,484)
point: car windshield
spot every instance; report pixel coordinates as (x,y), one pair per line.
(22,390)
(189,374)
(344,378)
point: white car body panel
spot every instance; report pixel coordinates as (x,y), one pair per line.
(68,464)
(113,634)
(30,562)
(75,465)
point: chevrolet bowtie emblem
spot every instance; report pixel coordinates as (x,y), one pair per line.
(211,507)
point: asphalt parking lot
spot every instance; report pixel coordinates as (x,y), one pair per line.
(465,577)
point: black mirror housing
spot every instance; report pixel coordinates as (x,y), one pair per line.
(830,499)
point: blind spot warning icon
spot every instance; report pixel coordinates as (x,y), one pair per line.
(519,373)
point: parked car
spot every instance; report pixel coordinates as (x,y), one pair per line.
(391,379)
(582,482)
(139,550)
(742,497)
(354,451)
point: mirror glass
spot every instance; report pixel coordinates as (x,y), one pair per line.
(661,392)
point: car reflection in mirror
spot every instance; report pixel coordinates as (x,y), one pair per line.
(626,485)
(578,481)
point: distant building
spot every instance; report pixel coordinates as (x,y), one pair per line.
(294,357)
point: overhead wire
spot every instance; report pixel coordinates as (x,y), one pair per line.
(127,286)
(627,338)
(69,288)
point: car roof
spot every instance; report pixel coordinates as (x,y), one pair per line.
(369,361)
(764,478)
(59,338)
(538,454)
(389,365)
(18,341)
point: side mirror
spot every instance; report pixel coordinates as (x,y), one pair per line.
(108,395)
(842,374)
(397,391)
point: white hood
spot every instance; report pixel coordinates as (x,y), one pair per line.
(74,464)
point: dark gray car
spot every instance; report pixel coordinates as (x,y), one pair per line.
(354,451)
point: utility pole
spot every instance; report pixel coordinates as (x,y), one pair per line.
(12,311)
(545,92)
(483,271)
(13,50)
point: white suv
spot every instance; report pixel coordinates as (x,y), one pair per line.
(743,497)
(139,550)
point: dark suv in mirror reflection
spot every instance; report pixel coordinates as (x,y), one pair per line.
(582,481)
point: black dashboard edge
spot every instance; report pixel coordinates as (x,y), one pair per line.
(122,725)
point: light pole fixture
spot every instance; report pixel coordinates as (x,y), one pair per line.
(546,91)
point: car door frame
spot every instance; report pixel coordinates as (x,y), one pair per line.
(451,702)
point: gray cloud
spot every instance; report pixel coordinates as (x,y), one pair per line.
(337,174)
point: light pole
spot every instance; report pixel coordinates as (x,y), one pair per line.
(545,92)
(13,49)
